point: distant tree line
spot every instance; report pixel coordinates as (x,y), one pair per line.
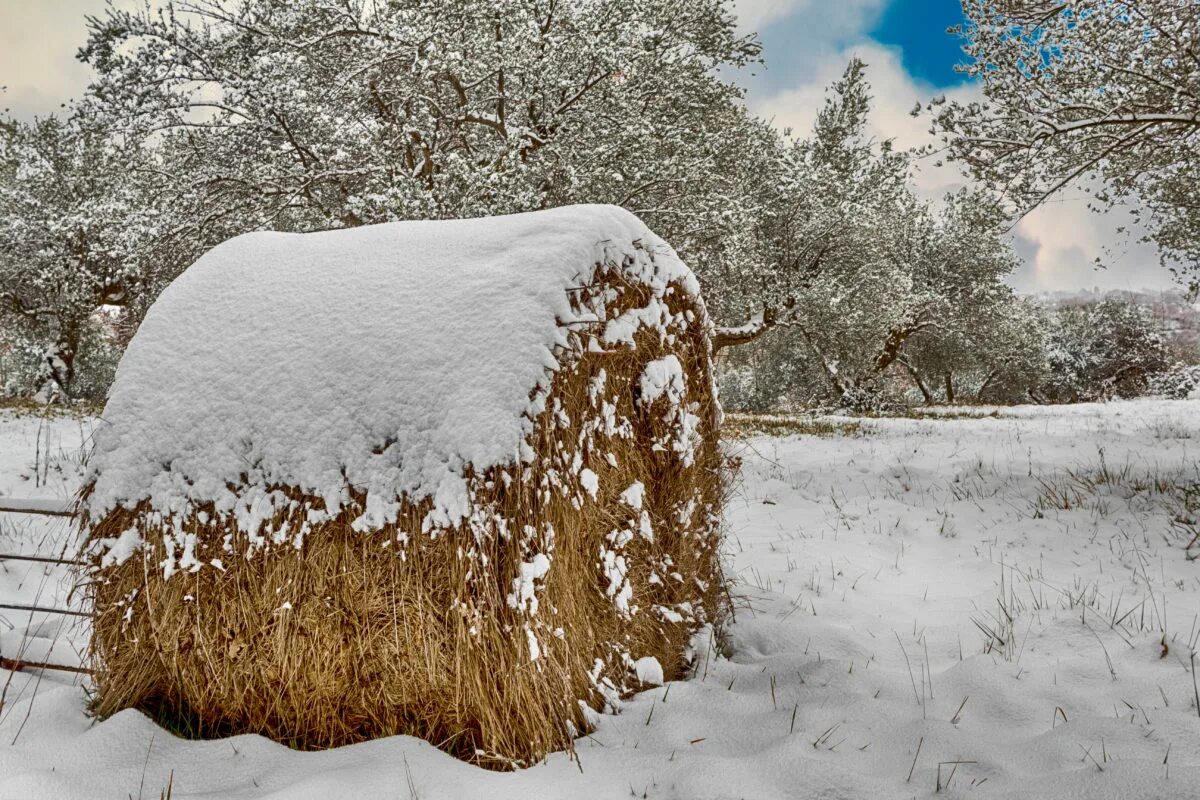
(1041,352)
(208,119)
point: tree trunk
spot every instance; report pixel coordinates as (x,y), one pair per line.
(58,368)
(912,372)
(987,382)
(896,339)
(839,385)
(949,388)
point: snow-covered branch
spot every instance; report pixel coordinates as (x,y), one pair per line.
(745,333)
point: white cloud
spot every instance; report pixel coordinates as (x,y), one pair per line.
(1061,240)
(753,14)
(38,41)
(894,93)
(821,19)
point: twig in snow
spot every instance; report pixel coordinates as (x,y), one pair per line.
(915,757)
(19,664)
(912,680)
(1195,690)
(954,719)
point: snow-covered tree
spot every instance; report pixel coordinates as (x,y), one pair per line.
(933,275)
(76,234)
(824,195)
(1107,349)
(994,353)
(1179,381)
(1079,89)
(315,114)
(861,268)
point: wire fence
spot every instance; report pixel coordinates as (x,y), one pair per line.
(48,509)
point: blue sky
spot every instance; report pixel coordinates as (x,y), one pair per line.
(915,28)
(918,28)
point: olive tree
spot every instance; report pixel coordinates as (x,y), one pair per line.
(1086,92)
(77,233)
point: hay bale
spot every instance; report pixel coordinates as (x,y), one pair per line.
(459,480)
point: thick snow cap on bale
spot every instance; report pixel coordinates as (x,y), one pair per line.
(460,480)
(384,359)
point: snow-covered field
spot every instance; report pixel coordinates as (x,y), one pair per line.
(968,606)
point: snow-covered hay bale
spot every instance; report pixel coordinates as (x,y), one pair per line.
(454,479)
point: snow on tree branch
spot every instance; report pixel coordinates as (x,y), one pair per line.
(1083,92)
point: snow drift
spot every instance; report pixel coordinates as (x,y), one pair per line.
(457,479)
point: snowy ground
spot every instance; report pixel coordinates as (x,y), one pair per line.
(971,607)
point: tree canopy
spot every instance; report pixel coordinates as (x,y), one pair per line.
(1086,92)
(300,116)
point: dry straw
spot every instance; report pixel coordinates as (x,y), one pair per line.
(356,636)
